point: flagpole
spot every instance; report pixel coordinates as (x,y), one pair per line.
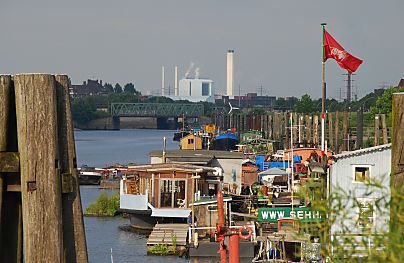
(323,93)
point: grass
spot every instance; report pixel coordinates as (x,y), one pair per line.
(104,206)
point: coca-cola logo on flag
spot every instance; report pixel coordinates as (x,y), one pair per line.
(340,54)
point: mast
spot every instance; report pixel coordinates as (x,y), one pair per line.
(323,94)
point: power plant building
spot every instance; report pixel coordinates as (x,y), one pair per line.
(195,90)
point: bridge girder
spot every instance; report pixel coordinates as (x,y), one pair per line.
(156,109)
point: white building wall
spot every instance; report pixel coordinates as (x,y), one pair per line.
(191,89)
(230,167)
(344,185)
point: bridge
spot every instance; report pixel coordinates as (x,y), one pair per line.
(156,110)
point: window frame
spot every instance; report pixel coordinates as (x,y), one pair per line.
(369,166)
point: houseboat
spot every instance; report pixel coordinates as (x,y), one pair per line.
(90,175)
(225,142)
(165,192)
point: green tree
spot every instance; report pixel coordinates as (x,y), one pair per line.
(130,88)
(383,103)
(109,87)
(305,104)
(118,88)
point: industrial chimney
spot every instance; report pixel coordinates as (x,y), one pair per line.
(162,81)
(230,72)
(176,81)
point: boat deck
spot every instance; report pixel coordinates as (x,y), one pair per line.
(168,233)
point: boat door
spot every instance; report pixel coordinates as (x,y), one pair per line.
(172,193)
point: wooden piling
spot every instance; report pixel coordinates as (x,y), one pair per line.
(295,128)
(345,131)
(336,145)
(5,84)
(359,129)
(40,178)
(42,192)
(315,131)
(397,169)
(377,133)
(384,129)
(270,127)
(75,249)
(309,121)
(330,131)
(10,206)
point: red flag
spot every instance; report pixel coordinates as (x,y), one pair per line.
(334,50)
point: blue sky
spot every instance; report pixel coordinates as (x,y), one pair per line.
(277,43)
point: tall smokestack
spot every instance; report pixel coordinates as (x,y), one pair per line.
(230,72)
(162,81)
(176,81)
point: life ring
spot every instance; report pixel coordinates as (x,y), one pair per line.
(245,237)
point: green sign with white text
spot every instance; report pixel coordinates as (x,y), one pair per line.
(304,214)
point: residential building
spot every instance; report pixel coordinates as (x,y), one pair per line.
(89,88)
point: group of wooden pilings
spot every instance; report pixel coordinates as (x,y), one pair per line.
(41,217)
(306,129)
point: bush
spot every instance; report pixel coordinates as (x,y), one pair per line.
(104,206)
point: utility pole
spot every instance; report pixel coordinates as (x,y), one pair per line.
(260,89)
(349,86)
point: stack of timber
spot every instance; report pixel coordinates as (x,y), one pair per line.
(40,208)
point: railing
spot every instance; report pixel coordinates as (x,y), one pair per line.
(192,230)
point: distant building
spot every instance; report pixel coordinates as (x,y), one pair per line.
(88,88)
(249,100)
(195,90)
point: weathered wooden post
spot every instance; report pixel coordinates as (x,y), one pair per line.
(42,193)
(330,131)
(40,180)
(397,171)
(270,127)
(295,128)
(384,129)
(315,130)
(377,133)
(5,86)
(309,121)
(336,132)
(359,128)
(345,131)
(75,248)
(10,195)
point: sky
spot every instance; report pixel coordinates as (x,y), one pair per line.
(277,44)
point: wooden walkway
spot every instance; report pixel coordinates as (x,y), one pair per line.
(167,233)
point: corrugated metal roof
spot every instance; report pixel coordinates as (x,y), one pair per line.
(363,151)
(198,154)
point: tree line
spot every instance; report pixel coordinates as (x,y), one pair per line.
(85,109)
